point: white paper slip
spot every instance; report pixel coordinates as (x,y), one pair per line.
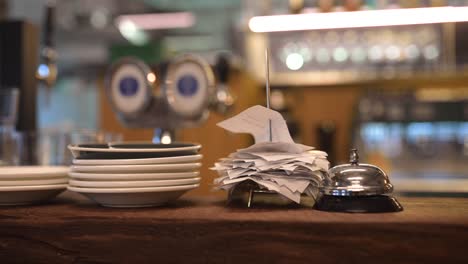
(255,121)
(288,167)
(282,147)
(275,156)
(242,165)
(242,156)
(237,172)
(277,164)
(318,153)
(294,196)
(323,164)
(293,185)
(310,177)
(306,159)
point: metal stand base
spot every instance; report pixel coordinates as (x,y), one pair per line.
(249,194)
(358,204)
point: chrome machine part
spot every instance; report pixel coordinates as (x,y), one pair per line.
(224,100)
(355,179)
(163,136)
(130,86)
(47,69)
(189,87)
(178,95)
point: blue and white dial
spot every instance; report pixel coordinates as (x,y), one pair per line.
(129,89)
(188,90)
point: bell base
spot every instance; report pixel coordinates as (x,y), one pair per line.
(358,204)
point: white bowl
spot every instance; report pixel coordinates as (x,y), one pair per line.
(132,184)
(22,195)
(134,197)
(137,168)
(89,176)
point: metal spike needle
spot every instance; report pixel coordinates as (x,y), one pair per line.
(267,77)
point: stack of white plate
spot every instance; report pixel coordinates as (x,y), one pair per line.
(31,184)
(134,174)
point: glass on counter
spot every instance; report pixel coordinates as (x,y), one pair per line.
(8,115)
(49,147)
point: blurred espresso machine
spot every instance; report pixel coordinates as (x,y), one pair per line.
(397,92)
(170,95)
(420,136)
(22,65)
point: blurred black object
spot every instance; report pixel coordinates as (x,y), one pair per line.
(358,204)
(279,102)
(47,68)
(18,62)
(326,135)
(224,98)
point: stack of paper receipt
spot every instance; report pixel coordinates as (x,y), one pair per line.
(279,165)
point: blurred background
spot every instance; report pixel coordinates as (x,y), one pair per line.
(392,83)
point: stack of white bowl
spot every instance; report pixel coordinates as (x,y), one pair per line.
(31,184)
(134,174)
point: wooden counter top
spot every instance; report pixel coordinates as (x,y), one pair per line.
(201,230)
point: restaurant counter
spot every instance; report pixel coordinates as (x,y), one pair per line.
(203,230)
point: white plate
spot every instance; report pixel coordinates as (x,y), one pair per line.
(132,176)
(63,180)
(119,147)
(136,168)
(134,197)
(21,195)
(132,184)
(32,187)
(165,160)
(32,172)
(154,147)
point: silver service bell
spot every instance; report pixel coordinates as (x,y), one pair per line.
(357,188)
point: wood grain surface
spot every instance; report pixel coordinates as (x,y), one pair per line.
(204,230)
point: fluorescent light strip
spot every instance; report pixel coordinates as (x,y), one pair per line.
(159,20)
(359,19)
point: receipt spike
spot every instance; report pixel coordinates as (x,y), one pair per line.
(267,86)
